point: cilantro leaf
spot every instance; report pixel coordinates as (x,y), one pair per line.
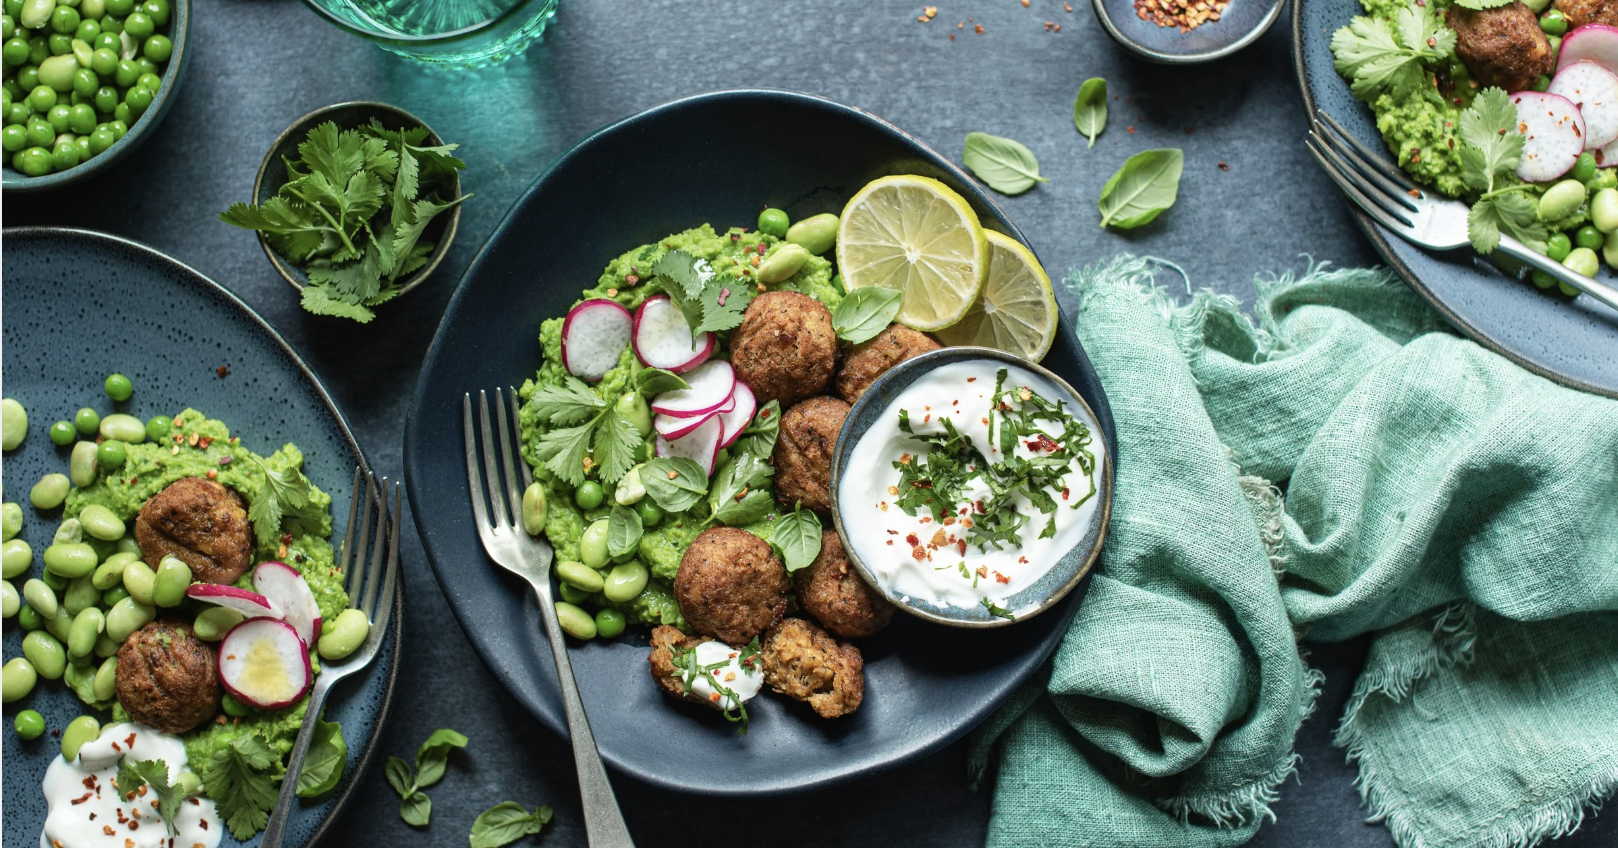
(563,451)
(567,404)
(675,484)
(684,277)
(1511,213)
(154,773)
(796,537)
(405,187)
(332,153)
(615,443)
(723,301)
(1376,58)
(421,214)
(507,822)
(284,493)
(319,300)
(1491,146)
(323,765)
(240,779)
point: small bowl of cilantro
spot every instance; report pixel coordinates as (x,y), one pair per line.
(355,204)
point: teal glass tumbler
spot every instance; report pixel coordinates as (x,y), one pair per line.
(450,33)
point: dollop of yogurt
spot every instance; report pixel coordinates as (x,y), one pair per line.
(743,679)
(87,811)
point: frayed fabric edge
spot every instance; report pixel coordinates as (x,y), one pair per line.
(1454,636)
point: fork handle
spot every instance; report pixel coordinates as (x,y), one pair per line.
(275,830)
(603,821)
(1600,291)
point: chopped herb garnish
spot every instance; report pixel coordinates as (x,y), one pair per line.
(730,703)
(998,611)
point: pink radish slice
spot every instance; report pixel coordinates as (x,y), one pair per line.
(711,386)
(1553,135)
(263,663)
(662,337)
(284,586)
(593,335)
(250,604)
(732,423)
(701,445)
(670,427)
(1607,156)
(1594,90)
(1596,43)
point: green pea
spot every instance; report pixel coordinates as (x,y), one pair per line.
(111,572)
(632,406)
(650,513)
(782,262)
(64,19)
(105,647)
(1566,289)
(127,545)
(10,601)
(1553,22)
(81,119)
(158,427)
(29,724)
(157,10)
(127,616)
(10,521)
(1542,82)
(593,544)
(16,556)
(71,559)
(139,99)
(28,619)
(87,421)
(609,623)
(118,387)
(17,678)
(92,9)
(575,621)
(111,454)
(1561,200)
(1582,260)
(28,75)
(533,509)
(13,423)
(626,581)
(106,682)
(77,734)
(108,40)
(774,222)
(173,577)
(36,13)
(87,625)
(15,51)
(40,597)
(57,118)
(580,576)
(631,488)
(87,32)
(112,596)
(1558,246)
(13,138)
(150,82)
(120,8)
(81,595)
(158,48)
(1584,168)
(139,25)
(102,139)
(816,234)
(233,707)
(139,581)
(589,495)
(124,428)
(213,623)
(572,594)
(46,654)
(343,635)
(125,74)
(1589,236)
(104,61)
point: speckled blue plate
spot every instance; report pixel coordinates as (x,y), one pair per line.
(80,305)
(1572,342)
(716,158)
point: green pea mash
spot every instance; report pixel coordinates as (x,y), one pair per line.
(1421,129)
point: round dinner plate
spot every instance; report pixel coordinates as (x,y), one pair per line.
(716,158)
(80,305)
(1574,343)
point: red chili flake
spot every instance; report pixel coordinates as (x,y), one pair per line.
(765,415)
(1001,578)
(1131,130)
(115,748)
(735,236)
(89,782)
(761,248)
(714,697)
(910,539)
(893,532)
(890,541)
(1057,28)
(952,36)
(1223,166)
(224,460)
(222,371)
(1064,493)
(82,798)
(979,28)
(1043,443)
(962,546)
(983,571)
(918,553)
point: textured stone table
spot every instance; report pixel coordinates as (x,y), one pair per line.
(1252,202)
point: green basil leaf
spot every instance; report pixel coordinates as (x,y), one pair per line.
(677,493)
(759,437)
(651,381)
(1147,184)
(400,777)
(417,809)
(1090,108)
(1001,163)
(434,754)
(624,530)
(796,536)
(323,766)
(507,822)
(865,312)
(738,495)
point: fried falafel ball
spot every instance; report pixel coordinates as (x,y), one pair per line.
(801,661)
(872,358)
(1504,46)
(785,348)
(730,585)
(832,591)
(665,641)
(803,453)
(1581,12)
(201,523)
(167,678)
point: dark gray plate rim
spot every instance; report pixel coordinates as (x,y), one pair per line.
(346,793)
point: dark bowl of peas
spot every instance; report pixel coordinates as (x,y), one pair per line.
(84,83)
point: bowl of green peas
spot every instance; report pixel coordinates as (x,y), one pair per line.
(83,83)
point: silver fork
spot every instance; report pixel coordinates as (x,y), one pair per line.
(370,590)
(1389,197)
(508,544)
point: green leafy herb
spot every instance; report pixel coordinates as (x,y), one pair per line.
(740,493)
(651,381)
(153,773)
(431,760)
(323,765)
(1375,58)
(240,779)
(1147,184)
(507,822)
(998,611)
(1090,108)
(796,537)
(1491,146)
(759,437)
(865,312)
(1479,5)
(605,436)
(674,483)
(284,493)
(624,530)
(708,299)
(1001,163)
(352,213)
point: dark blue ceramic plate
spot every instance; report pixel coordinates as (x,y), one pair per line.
(1572,342)
(81,305)
(716,158)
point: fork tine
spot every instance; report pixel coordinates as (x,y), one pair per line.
(1399,178)
(384,608)
(373,574)
(1387,217)
(348,535)
(516,427)
(474,478)
(356,576)
(508,467)
(1394,191)
(497,504)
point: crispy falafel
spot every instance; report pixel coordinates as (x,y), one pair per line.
(1505,46)
(730,585)
(201,523)
(872,358)
(832,591)
(785,348)
(801,661)
(167,678)
(803,452)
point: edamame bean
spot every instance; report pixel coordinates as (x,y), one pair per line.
(593,544)
(87,625)
(57,582)
(10,601)
(71,559)
(10,521)
(111,573)
(343,635)
(40,597)
(13,424)
(29,724)
(580,576)
(106,683)
(533,509)
(118,387)
(1561,200)
(816,234)
(101,522)
(779,266)
(173,576)
(59,624)
(17,679)
(774,222)
(139,580)
(78,732)
(86,421)
(57,72)
(1582,261)
(213,623)
(626,581)
(70,531)
(127,545)
(62,433)
(28,620)
(630,489)
(81,464)
(575,621)
(111,454)
(15,558)
(46,654)
(124,428)
(632,406)
(159,426)
(81,595)
(1609,251)
(572,594)
(1604,210)
(105,647)
(127,616)
(609,623)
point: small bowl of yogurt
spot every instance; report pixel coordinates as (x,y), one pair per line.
(972,487)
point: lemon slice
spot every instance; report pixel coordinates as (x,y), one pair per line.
(1017,312)
(916,235)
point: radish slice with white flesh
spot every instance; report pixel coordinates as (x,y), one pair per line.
(1607,156)
(1594,90)
(593,335)
(701,445)
(662,337)
(1553,135)
(670,427)
(284,586)
(1596,43)
(262,663)
(711,386)
(732,423)
(250,604)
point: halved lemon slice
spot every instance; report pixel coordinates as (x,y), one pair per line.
(1017,312)
(916,235)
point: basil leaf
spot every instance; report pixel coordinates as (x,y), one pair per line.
(400,777)
(1147,184)
(865,312)
(1002,164)
(507,822)
(677,493)
(796,537)
(624,530)
(738,495)
(651,381)
(434,754)
(759,437)
(1090,108)
(416,809)
(323,766)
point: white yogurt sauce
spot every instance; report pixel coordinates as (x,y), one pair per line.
(87,812)
(743,680)
(914,556)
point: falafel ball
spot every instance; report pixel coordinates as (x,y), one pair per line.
(803,452)
(201,523)
(167,678)
(665,640)
(1581,12)
(1504,46)
(801,661)
(730,585)
(832,591)
(872,358)
(785,348)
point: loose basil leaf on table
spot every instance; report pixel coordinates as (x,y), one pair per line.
(1147,184)
(865,312)
(1001,163)
(507,822)
(1090,108)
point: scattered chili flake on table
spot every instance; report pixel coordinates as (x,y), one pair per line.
(222,371)
(1185,14)
(979,28)
(1223,166)
(1068,8)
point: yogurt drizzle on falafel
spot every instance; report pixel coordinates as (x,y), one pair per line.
(726,677)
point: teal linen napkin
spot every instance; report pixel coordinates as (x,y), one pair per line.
(1459,508)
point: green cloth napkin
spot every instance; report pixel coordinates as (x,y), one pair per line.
(1460,508)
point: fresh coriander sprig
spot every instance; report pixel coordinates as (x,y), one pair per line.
(1491,146)
(154,773)
(285,493)
(1376,57)
(239,779)
(588,434)
(431,760)
(709,300)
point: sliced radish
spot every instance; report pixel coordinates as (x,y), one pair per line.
(284,586)
(701,444)
(250,604)
(262,663)
(1594,90)
(593,335)
(663,339)
(1607,156)
(670,427)
(1596,43)
(732,423)
(711,387)
(1553,135)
